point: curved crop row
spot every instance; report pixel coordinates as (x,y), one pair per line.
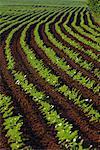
(11,123)
(44,72)
(14,23)
(58,111)
(70,53)
(80,29)
(86,25)
(46,108)
(62,64)
(90,22)
(82,39)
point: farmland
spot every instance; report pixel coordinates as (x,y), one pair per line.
(49,76)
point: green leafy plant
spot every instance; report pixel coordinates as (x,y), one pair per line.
(94,5)
(11,123)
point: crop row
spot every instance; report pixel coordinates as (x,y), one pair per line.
(44,72)
(11,123)
(81,30)
(72,55)
(16,22)
(47,109)
(90,22)
(92,55)
(53,97)
(63,65)
(86,27)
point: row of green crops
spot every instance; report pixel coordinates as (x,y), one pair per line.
(73,55)
(12,124)
(65,132)
(16,22)
(86,27)
(12,20)
(62,127)
(90,84)
(52,79)
(80,29)
(83,40)
(91,25)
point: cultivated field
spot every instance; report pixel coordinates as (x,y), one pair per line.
(49,78)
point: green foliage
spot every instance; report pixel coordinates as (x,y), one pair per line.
(76,98)
(37,64)
(43,2)
(91,35)
(63,128)
(94,5)
(11,123)
(44,72)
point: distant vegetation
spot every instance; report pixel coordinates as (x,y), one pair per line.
(46,2)
(94,6)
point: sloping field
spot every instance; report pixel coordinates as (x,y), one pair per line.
(49,78)
(42,2)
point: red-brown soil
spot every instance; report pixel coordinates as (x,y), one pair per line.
(35,128)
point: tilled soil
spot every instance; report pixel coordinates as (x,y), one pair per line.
(38,133)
